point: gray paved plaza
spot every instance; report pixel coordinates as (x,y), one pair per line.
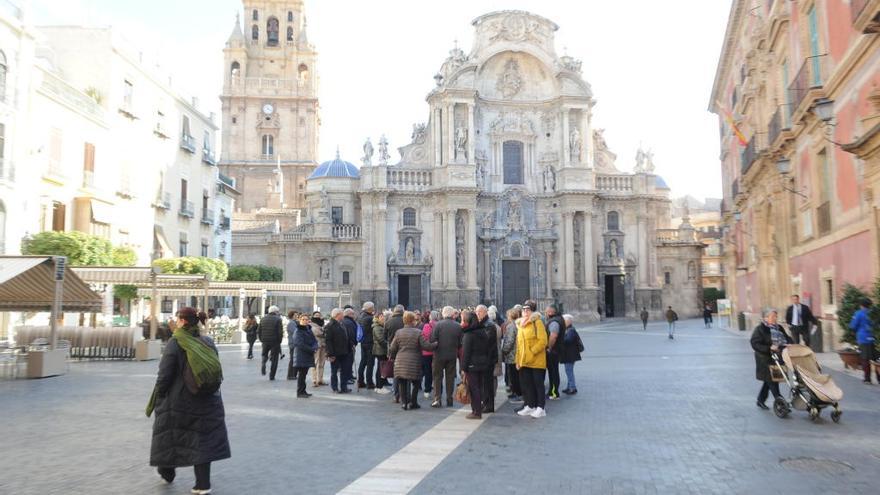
(652,416)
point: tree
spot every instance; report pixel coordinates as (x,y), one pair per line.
(216,270)
(850,299)
(244,273)
(123,256)
(79,248)
(255,273)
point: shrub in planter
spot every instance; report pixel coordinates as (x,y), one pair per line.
(850,300)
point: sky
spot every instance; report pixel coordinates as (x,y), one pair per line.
(651,65)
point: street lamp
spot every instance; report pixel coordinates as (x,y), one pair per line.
(783,165)
(737,215)
(824,109)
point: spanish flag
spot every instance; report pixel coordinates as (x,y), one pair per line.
(729,118)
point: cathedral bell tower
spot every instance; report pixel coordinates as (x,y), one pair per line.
(270,107)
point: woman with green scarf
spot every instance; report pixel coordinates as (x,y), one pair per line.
(190,425)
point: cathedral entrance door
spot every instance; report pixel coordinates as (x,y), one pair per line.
(615,296)
(515,282)
(409,291)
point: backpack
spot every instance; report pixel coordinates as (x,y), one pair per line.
(360,333)
(189,380)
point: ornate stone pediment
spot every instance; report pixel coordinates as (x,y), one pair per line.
(517,26)
(512,123)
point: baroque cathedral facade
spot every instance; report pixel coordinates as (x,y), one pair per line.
(506,192)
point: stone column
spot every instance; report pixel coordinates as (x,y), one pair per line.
(471,146)
(587,137)
(568,249)
(450,134)
(643,251)
(449,242)
(566,138)
(548,270)
(588,254)
(437,250)
(437,129)
(471,243)
(487,273)
(381,258)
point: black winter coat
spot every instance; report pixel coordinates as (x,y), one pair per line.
(303,347)
(761,343)
(447,334)
(271,329)
(476,350)
(351,330)
(336,339)
(492,334)
(188,429)
(570,340)
(392,325)
(365,320)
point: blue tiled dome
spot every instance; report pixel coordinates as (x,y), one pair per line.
(336,168)
(659,183)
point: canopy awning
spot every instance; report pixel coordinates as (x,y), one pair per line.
(138,276)
(102,212)
(27,283)
(160,242)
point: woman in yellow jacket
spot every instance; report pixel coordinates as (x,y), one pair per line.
(531,359)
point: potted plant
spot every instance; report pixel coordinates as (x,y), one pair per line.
(850,301)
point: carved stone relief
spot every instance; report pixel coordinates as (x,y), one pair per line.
(510,82)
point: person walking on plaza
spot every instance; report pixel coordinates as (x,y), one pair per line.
(489,384)
(531,359)
(572,347)
(271,333)
(317,325)
(447,335)
(405,350)
(250,332)
(707,315)
(190,425)
(768,337)
(861,324)
(428,356)
(351,330)
(476,359)
(556,329)
(508,355)
(671,318)
(800,319)
(380,351)
(338,351)
(302,353)
(365,329)
(644,316)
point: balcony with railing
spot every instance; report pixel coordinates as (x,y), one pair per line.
(809,77)
(187,209)
(866,15)
(749,154)
(207,216)
(614,183)
(225,223)
(188,143)
(778,123)
(163,201)
(347,232)
(208,157)
(409,180)
(161,131)
(268,86)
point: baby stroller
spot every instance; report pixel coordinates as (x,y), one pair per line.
(810,390)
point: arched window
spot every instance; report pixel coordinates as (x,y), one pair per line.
(289,16)
(272,32)
(289,33)
(513,162)
(236,67)
(409,217)
(613,220)
(3,70)
(255,32)
(268,145)
(255,15)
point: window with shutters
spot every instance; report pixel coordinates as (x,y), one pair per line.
(89,165)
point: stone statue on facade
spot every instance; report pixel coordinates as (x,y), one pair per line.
(325,200)
(428,259)
(420,133)
(576,144)
(488,220)
(461,139)
(324,270)
(368,153)
(392,258)
(383,151)
(549,179)
(612,249)
(459,227)
(510,81)
(649,162)
(480,174)
(640,161)
(459,260)
(410,251)
(514,218)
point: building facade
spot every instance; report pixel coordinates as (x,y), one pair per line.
(798,81)
(507,192)
(270,109)
(706,220)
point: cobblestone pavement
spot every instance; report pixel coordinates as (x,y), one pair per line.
(652,416)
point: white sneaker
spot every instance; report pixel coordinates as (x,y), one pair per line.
(383,391)
(525,411)
(538,413)
(427,395)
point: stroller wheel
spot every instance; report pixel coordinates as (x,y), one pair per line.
(780,408)
(835,415)
(814,413)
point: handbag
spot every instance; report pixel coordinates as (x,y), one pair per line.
(387,370)
(462,394)
(776,373)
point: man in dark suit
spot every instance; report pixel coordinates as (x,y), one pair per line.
(800,319)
